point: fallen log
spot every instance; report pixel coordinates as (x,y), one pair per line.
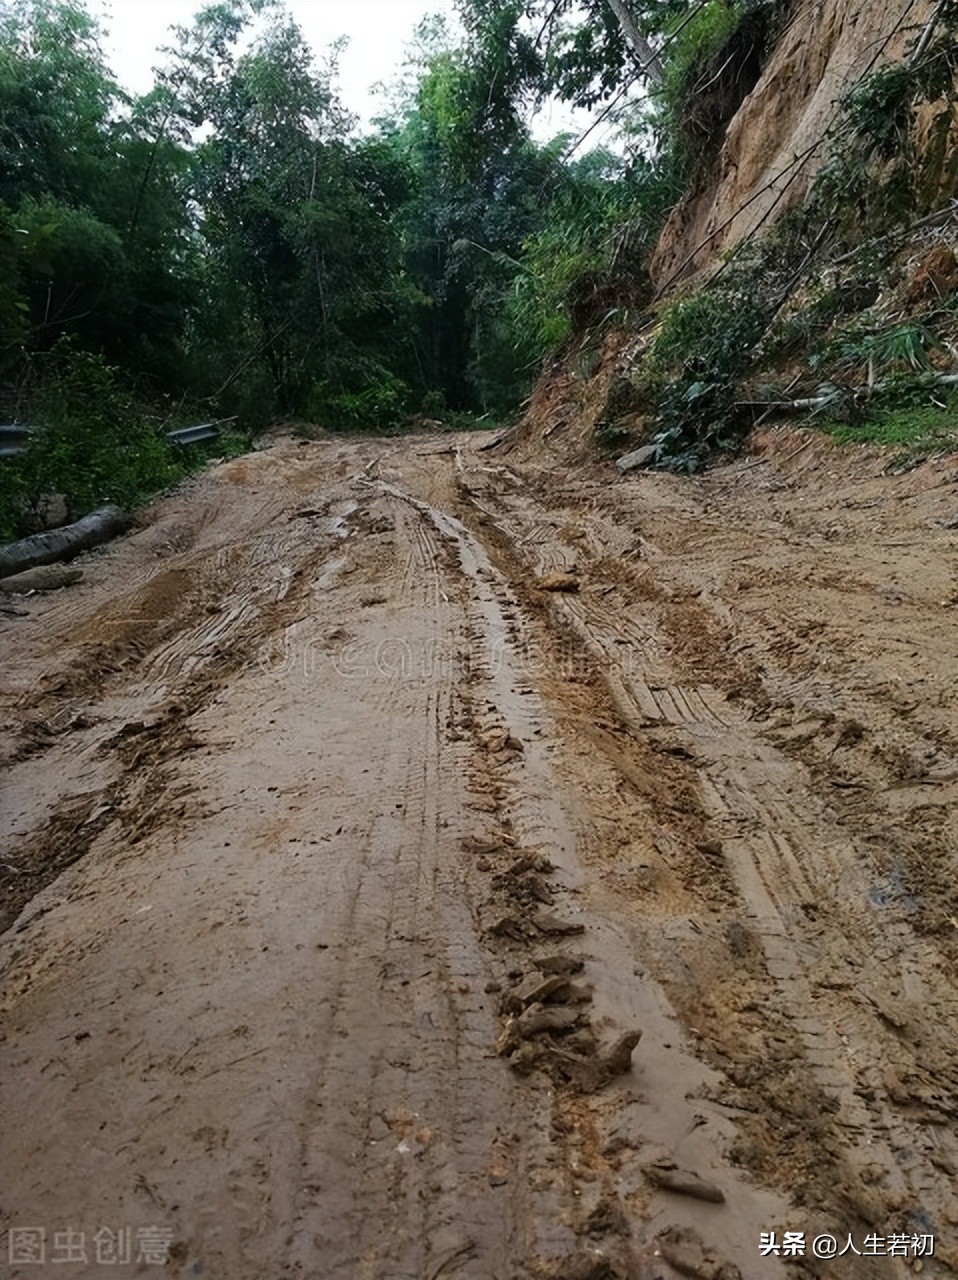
(62,544)
(46,577)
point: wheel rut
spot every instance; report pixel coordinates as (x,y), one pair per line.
(378,912)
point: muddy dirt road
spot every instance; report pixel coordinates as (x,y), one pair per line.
(362,806)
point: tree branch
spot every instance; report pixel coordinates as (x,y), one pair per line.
(648,58)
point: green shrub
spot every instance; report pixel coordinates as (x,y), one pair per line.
(721,325)
(707,342)
(379,404)
(701,39)
(613,436)
(906,416)
(434,404)
(865,343)
(94,445)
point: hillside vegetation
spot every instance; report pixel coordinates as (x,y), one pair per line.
(229,245)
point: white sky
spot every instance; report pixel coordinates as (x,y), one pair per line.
(378,32)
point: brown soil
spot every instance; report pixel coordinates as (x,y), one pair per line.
(345,862)
(779,138)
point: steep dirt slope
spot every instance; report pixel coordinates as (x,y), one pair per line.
(312,789)
(775,143)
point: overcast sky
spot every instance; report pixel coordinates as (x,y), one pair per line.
(377,30)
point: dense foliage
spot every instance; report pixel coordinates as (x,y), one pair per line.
(228,244)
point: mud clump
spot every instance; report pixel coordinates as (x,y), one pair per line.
(576,1059)
(529,890)
(685,1252)
(509,926)
(566,583)
(536,989)
(550,924)
(546,1024)
(619,1058)
(591,1072)
(559,964)
(668,1177)
(533,1022)
(583,1265)
(607,1218)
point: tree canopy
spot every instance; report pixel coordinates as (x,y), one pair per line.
(228,244)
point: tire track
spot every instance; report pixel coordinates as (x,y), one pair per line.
(747,792)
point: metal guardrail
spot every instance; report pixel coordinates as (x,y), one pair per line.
(14,436)
(194,435)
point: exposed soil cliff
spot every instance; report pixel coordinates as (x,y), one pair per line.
(776,141)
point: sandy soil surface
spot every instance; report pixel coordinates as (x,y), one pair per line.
(364,805)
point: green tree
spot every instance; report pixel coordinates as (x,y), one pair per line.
(297,289)
(68,147)
(478,188)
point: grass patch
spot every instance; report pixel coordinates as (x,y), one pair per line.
(927,427)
